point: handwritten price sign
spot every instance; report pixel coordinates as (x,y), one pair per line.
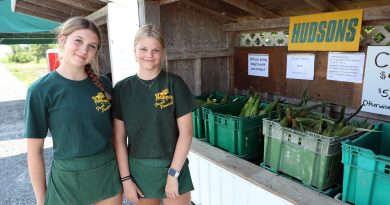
(376,85)
(384,92)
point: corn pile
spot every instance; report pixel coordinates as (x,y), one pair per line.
(300,118)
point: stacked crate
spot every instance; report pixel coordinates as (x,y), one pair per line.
(367,167)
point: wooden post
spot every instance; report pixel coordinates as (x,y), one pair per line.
(232,40)
(197,76)
(149,12)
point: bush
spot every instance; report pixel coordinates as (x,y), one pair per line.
(21,57)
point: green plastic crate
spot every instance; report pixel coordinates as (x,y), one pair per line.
(197,115)
(313,159)
(197,123)
(367,168)
(240,136)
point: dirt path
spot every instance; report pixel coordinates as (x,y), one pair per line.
(10,87)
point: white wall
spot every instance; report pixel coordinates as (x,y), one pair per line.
(215,185)
(122,24)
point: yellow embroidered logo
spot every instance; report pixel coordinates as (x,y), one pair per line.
(163,99)
(101,102)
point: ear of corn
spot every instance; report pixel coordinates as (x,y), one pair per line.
(342,112)
(345,131)
(270,107)
(245,107)
(224,99)
(304,99)
(255,107)
(300,118)
(249,108)
(284,122)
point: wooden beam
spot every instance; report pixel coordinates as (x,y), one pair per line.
(322,5)
(36,10)
(56,6)
(43,15)
(264,24)
(252,8)
(207,11)
(377,15)
(371,16)
(99,16)
(200,53)
(82,5)
(165,2)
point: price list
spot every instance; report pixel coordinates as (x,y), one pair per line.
(376,85)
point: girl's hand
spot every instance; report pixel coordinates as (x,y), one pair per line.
(131,191)
(172,187)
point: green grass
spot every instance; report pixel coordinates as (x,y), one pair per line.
(4,60)
(26,72)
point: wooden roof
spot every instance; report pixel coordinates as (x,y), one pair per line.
(58,10)
(241,10)
(232,11)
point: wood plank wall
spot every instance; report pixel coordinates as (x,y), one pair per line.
(319,89)
(188,30)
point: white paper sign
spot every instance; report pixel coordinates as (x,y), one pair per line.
(122,24)
(376,85)
(300,66)
(346,67)
(258,64)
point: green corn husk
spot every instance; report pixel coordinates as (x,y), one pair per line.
(284,122)
(345,131)
(309,122)
(328,131)
(255,107)
(304,99)
(224,100)
(245,107)
(250,106)
(270,107)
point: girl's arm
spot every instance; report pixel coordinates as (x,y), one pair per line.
(129,187)
(183,145)
(36,168)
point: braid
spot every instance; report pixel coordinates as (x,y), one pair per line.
(95,79)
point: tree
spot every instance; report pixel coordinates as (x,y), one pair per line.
(39,50)
(16,48)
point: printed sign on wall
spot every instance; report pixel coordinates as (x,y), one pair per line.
(258,64)
(345,67)
(334,31)
(376,85)
(300,66)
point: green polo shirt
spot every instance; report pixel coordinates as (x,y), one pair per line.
(76,113)
(150,114)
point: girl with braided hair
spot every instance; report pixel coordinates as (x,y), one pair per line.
(74,103)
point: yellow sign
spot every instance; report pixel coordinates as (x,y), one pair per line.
(334,31)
